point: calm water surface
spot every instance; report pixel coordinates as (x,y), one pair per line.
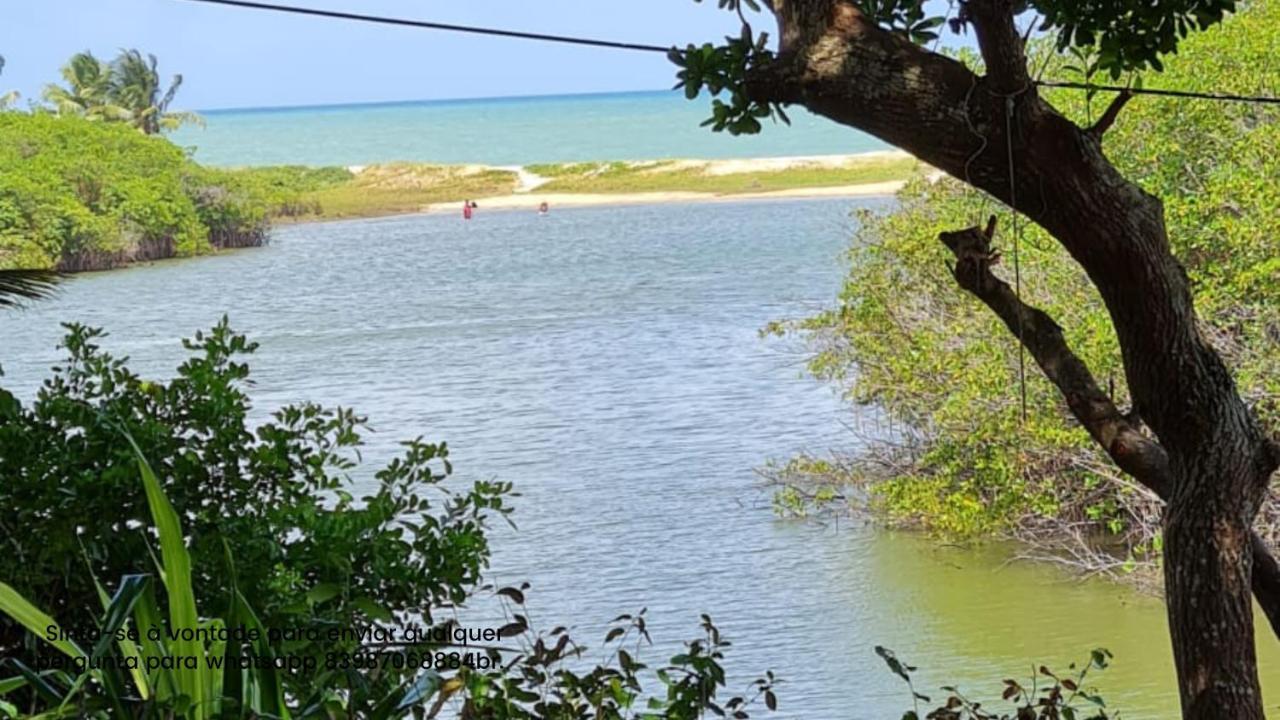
(607,362)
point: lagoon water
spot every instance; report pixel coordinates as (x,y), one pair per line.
(502,131)
(607,362)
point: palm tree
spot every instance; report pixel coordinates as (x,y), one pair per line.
(88,90)
(135,87)
(9,98)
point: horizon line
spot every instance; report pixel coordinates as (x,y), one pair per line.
(424,101)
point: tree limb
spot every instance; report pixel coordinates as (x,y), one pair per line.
(1112,112)
(1266,581)
(1132,451)
(1003,48)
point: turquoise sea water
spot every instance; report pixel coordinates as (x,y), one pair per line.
(502,131)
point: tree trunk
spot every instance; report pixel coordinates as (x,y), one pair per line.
(1209,458)
(1211,613)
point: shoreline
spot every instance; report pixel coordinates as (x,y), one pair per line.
(531,201)
(574,201)
(435,189)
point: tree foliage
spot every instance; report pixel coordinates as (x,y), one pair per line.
(1121,37)
(7,99)
(135,665)
(127,89)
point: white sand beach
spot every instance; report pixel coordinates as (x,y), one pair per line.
(524,197)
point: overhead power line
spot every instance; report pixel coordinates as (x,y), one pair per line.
(573,40)
(1221,97)
(435,25)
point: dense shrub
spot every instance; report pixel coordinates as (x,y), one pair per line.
(82,195)
(904,337)
(278,496)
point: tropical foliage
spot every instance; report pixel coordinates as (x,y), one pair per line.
(7,99)
(280,493)
(903,337)
(82,195)
(127,89)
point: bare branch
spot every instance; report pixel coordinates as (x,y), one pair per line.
(1266,581)
(1109,116)
(1135,453)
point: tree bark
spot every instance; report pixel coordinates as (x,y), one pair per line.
(1209,458)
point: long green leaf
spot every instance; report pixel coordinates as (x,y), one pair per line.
(128,648)
(146,614)
(34,619)
(261,690)
(177,580)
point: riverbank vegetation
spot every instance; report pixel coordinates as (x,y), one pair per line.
(964,461)
(79,192)
(82,195)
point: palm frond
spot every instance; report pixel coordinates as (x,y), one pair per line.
(175,120)
(168,96)
(19,285)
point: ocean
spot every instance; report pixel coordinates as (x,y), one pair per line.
(502,131)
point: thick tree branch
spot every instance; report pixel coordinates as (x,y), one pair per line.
(1109,116)
(1132,451)
(1003,48)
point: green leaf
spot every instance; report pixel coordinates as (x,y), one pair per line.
(35,620)
(177,580)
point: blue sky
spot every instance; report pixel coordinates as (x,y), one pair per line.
(241,58)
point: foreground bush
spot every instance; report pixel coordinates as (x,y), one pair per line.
(279,495)
(129,670)
(905,338)
(1046,696)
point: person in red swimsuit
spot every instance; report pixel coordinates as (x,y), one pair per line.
(466,209)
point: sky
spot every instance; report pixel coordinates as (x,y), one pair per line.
(232,57)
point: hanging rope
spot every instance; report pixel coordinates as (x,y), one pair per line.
(1017,243)
(982,147)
